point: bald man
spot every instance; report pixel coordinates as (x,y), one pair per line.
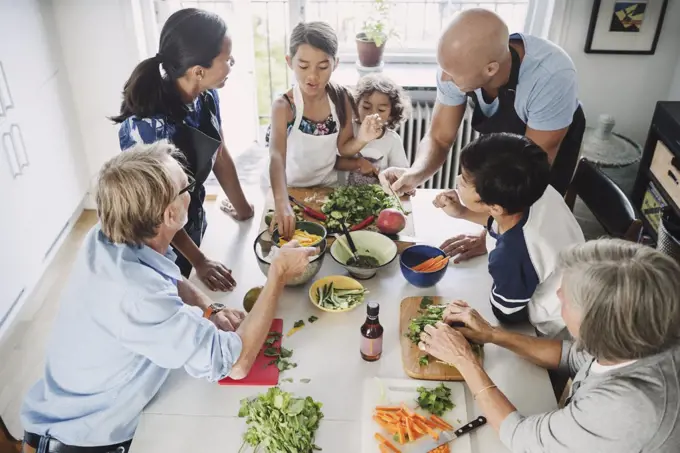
(514,83)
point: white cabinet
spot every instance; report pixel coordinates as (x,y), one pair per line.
(41,165)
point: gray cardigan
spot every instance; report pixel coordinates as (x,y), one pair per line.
(635,408)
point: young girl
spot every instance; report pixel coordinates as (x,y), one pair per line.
(312,122)
(378,95)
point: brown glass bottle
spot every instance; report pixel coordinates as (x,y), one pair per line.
(371,334)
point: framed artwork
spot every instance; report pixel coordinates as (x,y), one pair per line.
(625,26)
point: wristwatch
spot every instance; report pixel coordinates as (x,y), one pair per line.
(212,309)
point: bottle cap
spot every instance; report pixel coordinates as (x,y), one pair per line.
(373,308)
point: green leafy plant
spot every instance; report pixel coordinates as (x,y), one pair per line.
(436,401)
(377,28)
(278,422)
(354,204)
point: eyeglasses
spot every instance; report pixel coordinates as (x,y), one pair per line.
(189,188)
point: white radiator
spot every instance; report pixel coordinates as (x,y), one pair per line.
(414,129)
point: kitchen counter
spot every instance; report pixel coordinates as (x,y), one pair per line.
(195,415)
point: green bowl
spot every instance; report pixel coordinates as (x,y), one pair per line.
(309,227)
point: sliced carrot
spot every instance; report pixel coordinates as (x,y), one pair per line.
(438,425)
(406,411)
(427,263)
(384,449)
(441,422)
(387,408)
(402,435)
(436,266)
(409,431)
(386,442)
(420,429)
(387,426)
(427,429)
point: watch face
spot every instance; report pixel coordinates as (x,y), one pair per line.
(217,306)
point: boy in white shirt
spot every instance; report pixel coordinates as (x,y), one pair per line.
(504,186)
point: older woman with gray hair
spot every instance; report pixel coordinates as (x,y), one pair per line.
(621,303)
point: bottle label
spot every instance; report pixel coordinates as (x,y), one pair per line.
(371,346)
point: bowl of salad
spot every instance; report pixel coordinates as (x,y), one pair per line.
(337,294)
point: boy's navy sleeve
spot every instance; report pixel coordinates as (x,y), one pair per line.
(514,278)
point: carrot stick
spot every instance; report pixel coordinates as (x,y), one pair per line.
(402,434)
(441,422)
(387,408)
(417,427)
(388,426)
(427,429)
(406,411)
(409,430)
(386,442)
(384,449)
(427,263)
(436,266)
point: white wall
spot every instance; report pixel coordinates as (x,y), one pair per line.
(100,49)
(626,86)
(674,91)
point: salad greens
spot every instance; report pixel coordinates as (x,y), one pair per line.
(436,401)
(338,299)
(354,204)
(312,319)
(279,354)
(278,422)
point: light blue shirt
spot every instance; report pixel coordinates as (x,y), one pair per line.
(546,96)
(121,328)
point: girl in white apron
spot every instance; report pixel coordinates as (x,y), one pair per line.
(311,124)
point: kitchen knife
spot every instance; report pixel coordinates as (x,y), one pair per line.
(405,238)
(447,436)
(307,210)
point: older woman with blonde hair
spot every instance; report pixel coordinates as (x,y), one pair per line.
(621,303)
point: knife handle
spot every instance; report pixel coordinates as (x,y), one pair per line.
(473,424)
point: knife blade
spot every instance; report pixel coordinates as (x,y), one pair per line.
(447,436)
(404,238)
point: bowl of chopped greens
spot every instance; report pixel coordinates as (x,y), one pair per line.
(265,249)
(337,294)
(374,251)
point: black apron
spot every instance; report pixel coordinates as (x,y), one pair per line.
(506,120)
(199,147)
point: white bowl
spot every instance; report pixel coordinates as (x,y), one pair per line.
(371,243)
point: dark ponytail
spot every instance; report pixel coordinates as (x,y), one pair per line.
(321,35)
(190,37)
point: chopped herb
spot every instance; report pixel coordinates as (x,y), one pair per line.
(426,302)
(270,341)
(436,401)
(271,352)
(312,319)
(460,422)
(284,364)
(424,360)
(286,353)
(305,380)
(287,379)
(298,324)
(275,334)
(279,422)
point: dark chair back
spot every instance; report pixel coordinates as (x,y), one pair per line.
(610,206)
(7,442)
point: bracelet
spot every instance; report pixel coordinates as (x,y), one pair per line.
(494,386)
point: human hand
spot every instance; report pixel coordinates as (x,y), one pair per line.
(449,202)
(446,344)
(215,275)
(476,327)
(284,220)
(228,319)
(466,246)
(371,128)
(400,180)
(365,166)
(229,209)
(291,261)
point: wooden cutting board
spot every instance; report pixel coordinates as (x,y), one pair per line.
(434,371)
(314,198)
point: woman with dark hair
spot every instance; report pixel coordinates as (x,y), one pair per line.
(182,105)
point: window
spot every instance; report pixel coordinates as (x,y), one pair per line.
(417,23)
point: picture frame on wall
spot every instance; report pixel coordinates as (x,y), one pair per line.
(628,27)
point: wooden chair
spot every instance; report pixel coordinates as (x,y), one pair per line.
(8,444)
(610,206)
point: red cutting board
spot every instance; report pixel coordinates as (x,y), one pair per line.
(260,373)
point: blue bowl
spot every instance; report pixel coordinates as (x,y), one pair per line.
(415,255)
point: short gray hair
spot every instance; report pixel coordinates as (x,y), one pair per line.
(628,295)
(133,191)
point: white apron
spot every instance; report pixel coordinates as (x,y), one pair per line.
(310,159)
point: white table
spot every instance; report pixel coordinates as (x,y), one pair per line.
(195,415)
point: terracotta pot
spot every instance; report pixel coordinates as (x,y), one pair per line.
(370,55)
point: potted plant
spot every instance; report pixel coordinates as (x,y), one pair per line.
(374,33)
